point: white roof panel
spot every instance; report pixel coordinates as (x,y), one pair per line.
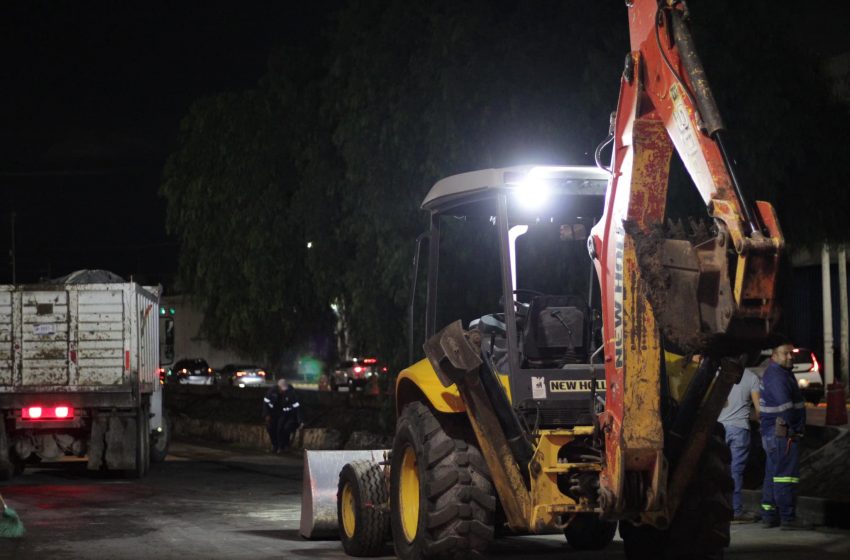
(453,189)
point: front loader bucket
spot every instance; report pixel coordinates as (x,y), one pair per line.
(319,488)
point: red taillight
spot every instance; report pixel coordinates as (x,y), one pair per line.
(240,373)
(47,413)
(357,369)
(370,361)
(815,364)
(383,369)
(261,373)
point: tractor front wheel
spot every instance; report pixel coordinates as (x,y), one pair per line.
(588,532)
(361,509)
(700,528)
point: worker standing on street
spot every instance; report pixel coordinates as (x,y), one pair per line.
(735,418)
(282,412)
(783,420)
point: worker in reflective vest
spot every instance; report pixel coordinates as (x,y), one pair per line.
(282,412)
(783,421)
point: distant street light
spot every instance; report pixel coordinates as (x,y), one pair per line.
(309,244)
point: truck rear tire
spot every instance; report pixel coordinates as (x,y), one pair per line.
(588,532)
(143,436)
(442,502)
(7,467)
(361,509)
(700,529)
(160,442)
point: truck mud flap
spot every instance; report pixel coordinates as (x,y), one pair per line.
(318,495)
(112,444)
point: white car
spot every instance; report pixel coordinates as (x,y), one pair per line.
(192,371)
(806,369)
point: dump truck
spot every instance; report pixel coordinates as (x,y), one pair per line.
(79,374)
(550,398)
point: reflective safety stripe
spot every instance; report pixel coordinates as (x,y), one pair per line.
(767,507)
(786,479)
(783,407)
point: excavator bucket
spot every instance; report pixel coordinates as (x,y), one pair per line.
(319,488)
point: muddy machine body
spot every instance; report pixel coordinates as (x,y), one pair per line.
(559,305)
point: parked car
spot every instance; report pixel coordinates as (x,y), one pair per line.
(806,369)
(192,371)
(243,375)
(355,373)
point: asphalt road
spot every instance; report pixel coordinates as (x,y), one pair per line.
(211,503)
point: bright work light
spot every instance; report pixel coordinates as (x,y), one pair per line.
(533,191)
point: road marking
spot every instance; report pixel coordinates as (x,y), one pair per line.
(289,514)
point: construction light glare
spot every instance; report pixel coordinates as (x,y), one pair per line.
(532,193)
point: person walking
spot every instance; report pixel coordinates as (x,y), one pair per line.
(282,413)
(735,418)
(783,421)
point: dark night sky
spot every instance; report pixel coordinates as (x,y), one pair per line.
(92,97)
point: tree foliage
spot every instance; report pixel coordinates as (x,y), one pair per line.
(230,187)
(339,145)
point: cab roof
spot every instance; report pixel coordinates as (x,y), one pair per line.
(465,187)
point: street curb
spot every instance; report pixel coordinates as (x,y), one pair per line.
(813,511)
(255,436)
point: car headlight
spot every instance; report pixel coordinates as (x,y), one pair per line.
(802,383)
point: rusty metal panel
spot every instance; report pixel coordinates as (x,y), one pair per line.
(147,309)
(44,338)
(100,319)
(6,336)
(78,337)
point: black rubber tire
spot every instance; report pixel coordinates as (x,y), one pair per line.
(371,519)
(7,467)
(162,440)
(701,527)
(143,458)
(19,464)
(457,501)
(588,532)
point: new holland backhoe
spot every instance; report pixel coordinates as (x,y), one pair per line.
(544,402)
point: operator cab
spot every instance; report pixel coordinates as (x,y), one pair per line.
(508,255)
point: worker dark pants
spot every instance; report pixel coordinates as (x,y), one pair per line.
(738,440)
(781,476)
(288,425)
(280,430)
(273,429)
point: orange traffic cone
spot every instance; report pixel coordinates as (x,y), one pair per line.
(836,407)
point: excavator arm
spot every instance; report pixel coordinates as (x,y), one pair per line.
(709,292)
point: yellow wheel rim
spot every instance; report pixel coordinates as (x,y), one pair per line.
(408,497)
(348,511)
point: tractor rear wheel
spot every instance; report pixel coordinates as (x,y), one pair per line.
(588,532)
(361,509)
(442,501)
(700,528)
